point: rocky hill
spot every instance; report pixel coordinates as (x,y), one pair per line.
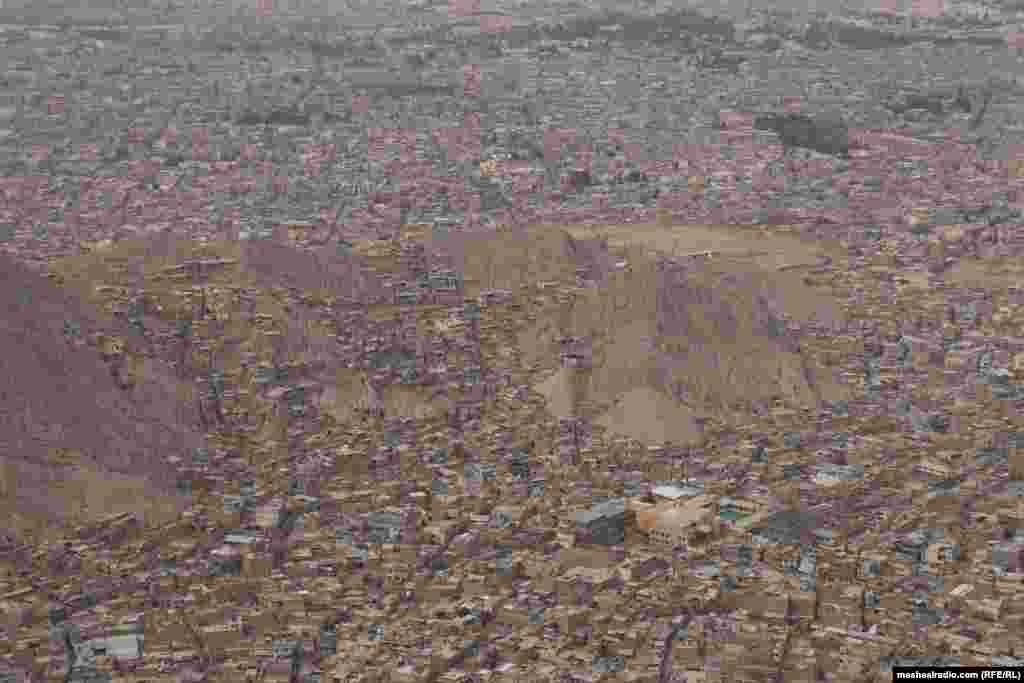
(667,340)
(79,440)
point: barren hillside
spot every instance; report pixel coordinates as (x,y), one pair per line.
(75,444)
(670,338)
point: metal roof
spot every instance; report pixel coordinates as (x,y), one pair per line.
(608,508)
(787,526)
(119,647)
(384,518)
(671,492)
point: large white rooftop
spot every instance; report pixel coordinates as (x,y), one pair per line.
(672,492)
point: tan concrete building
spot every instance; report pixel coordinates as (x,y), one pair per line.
(675,523)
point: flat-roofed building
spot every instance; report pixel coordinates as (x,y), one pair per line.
(670,493)
(734,510)
(674,523)
(604,523)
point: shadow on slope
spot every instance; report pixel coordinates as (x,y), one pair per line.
(667,343)
(271,263)
(507,259)
(262,299)
(73,443)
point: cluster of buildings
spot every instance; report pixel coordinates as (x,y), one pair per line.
(425,518)
(490,539)
(340,136)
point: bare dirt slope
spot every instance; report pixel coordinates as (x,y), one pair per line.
(74,445)
(345,398)
(763,246)
(987,274)
(669,342)
(290,329)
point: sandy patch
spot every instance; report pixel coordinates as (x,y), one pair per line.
(986,273)
(651,417)
(86,493)
(508,258)
(556,390)
(766,248)
(667,346)
(345,399)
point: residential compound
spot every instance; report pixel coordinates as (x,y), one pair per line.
(391,489)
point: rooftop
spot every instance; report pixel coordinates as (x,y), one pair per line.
(606,509)
(788,527)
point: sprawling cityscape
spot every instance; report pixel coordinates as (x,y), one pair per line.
(538,342)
